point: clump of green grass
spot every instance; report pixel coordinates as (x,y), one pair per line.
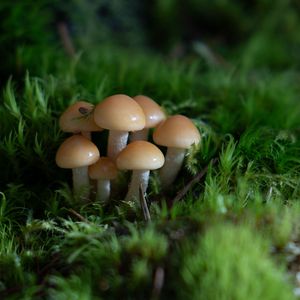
(75,287)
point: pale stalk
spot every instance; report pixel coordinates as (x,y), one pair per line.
(173,162)
(81,184)
(141,135)
(117,141)
(139,177)
(103,190)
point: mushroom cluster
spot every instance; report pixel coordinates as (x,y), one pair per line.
(128,121)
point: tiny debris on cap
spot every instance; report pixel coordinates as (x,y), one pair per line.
(78,118)
(83,110)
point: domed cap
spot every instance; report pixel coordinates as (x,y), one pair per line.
(153,112)
(119,112)
(177,131)
(140,155)
(75,152)
(78,118)
(104,168)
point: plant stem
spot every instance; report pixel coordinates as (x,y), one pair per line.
(139,177)
(103,190)
(81,184)
(66,38)
(141,135)
(173,162)
(117,141)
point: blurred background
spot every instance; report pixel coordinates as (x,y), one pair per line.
(246,34)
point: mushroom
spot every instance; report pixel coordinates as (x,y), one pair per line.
(103,171)
(78,118)
(177,133)
(141,157)
(153,114)
(120,114)
(77,153)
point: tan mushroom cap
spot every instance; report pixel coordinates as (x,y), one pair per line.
(153,112)
(104,168)
(75,152)
(119,112)
(78,118)
(177,131)
(140,155)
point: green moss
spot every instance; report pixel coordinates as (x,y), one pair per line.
(255,179)
(232,263)
(215,242)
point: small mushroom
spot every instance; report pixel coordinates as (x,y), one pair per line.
(178,133)
(120,114)
(140,157)
(104,170)
(153,114)
(77,153)
(78,118)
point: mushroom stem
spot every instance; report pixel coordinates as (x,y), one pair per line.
(81,182)
(173,162)
(141,135)
(87,134)
(103,190)
(139,177)
(117,141)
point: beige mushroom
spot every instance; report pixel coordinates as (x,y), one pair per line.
(120,114)
(140,157)
(77,153)
(153,115)
(178,133)
(104,170)
(78,118)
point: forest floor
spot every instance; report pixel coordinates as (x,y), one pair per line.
(229,228)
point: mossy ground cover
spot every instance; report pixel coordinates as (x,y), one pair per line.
(225,238)
(229,227)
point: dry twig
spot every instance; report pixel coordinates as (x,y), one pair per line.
(64,34)
(144,205)
(196,179)
(158,282)
(78,215)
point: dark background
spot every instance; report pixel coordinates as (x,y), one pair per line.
(249,34)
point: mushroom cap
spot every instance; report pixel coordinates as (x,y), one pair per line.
(119,112)
(75,152)
(140,155)
(104,168)
(153,112)
(177,131)
(78,118)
